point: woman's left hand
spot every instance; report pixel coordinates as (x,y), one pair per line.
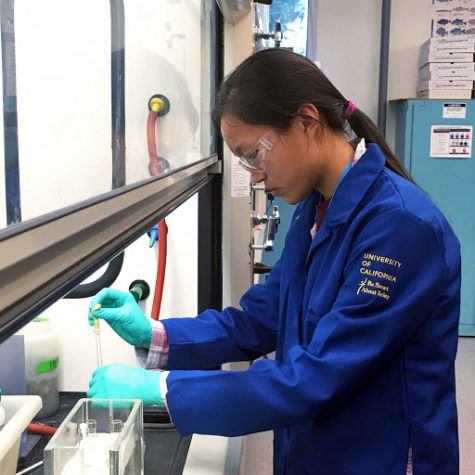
(118,381)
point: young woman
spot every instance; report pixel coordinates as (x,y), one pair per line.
(362,308)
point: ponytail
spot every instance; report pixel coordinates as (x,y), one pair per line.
(365,128)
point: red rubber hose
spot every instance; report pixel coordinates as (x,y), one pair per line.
(155,169)
(162,264)
(152,147)
(41,429)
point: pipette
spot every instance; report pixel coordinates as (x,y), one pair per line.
(97,331)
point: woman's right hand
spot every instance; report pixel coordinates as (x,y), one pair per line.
(123,314)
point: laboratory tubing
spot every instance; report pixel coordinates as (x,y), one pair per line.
(41,429)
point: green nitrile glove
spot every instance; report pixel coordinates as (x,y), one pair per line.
(123,314)
(117,381)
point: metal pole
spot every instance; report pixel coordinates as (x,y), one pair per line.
(384,64)
(312,30)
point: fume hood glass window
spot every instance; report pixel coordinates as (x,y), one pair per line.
(78,80)
(169,60)
(292,14)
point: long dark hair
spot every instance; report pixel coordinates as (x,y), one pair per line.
(270,86)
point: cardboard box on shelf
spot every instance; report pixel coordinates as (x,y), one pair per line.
(447,45)
(444,84)
(445,94)
(445,57)
(454,71)
(450,40)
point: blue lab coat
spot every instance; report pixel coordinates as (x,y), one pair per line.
(364,321)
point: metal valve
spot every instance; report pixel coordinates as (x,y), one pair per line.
(272,222)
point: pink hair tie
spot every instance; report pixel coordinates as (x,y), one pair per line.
(350,108)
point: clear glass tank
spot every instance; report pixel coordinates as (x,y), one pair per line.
(98,437)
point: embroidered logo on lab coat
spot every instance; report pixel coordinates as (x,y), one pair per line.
(377,282)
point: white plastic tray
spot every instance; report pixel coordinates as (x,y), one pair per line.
(20,410)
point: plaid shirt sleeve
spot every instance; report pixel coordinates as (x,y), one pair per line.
(157,355)
(158,352)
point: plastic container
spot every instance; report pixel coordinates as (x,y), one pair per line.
(41,363)
(19,411)
(98,437)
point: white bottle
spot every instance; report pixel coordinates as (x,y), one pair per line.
(41,364)
(2,412)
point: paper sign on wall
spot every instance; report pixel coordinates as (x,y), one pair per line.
(240,180)
(451,141)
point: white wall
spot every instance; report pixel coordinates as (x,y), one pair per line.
(410,27)
(348,48)
(348,45)
(350,53)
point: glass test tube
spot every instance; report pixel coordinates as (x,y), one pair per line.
(97,331)
(91,426)
(98,349)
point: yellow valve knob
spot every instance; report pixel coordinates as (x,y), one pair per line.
(156,104)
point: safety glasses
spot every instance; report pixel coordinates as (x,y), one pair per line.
(255,160)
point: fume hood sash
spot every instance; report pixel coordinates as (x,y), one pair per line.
(44,258)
